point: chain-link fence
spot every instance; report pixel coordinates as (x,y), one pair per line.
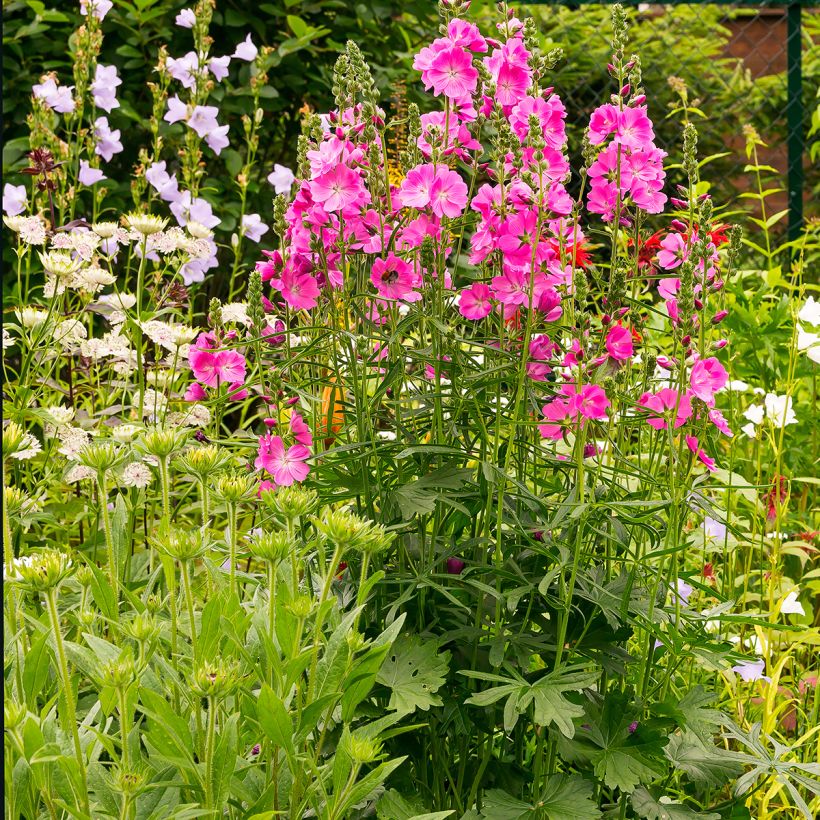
(734,65)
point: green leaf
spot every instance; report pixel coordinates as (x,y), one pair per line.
(297,25)
(693,712)
(224,761)
(549,704)
(704,763)
(35,667)
(498,805)
(415,672)
(393,806)
(623,753)
(274,719)
(568,798)
(651,809)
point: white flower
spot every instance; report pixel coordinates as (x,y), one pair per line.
(31,317)
(810,312)
(809,342)
(281,178)
(136,474)
(386,435)
(8,340)
(69,333)
(60,415)
(74,440)
(755,413)
(79,472)
(749,430)
(779,409)
(29,447)
(125,432)
(737,386)
(791,606)
(154,404)
(236,312)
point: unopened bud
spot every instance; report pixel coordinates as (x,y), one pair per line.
(719,317)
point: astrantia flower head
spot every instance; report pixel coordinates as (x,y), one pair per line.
(144,224)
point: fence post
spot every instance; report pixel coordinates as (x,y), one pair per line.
(794,113)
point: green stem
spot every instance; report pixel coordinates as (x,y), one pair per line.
(70,718)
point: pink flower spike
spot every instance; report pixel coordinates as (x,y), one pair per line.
(299,290)
(619,343)
(707,377)
(475,302)
(591,402)
(448,194)
(692,444)
(338,188)
(196,392)
(286,466)
(394,278)
(301,432)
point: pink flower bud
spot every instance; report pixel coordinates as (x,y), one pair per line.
(679,203)
(718,285)
(666,362)
(624,92)
(622,312)
(698,304)
(454,566)
(639,100)
(678,225)
(720,344)
(606,319)
(629,66)
(719,317)
(610,67)
(685,341)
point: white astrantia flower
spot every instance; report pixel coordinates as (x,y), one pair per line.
(755,413)
(70,332)
(73,440)
(30,317)
(237,313)
(779,409)
(791,606)
(136,474)
(810,312)
(29,447)
(60,415)
(79,472)
(125,432)
(171,336)
(30,229)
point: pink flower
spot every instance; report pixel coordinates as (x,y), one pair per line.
(591,402)
(417,186)
(301,432)
(634,128)
(285,466)
(299,290)
(707,377)
(475,302)
(662,406)
(448,194)
(602,123)
(452,73)
(213,368)
(196,392)
(719,420)
(394,278)
(512,287)
(338,188)
(692,444)
(619,343)
(556,413)
(673,251)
